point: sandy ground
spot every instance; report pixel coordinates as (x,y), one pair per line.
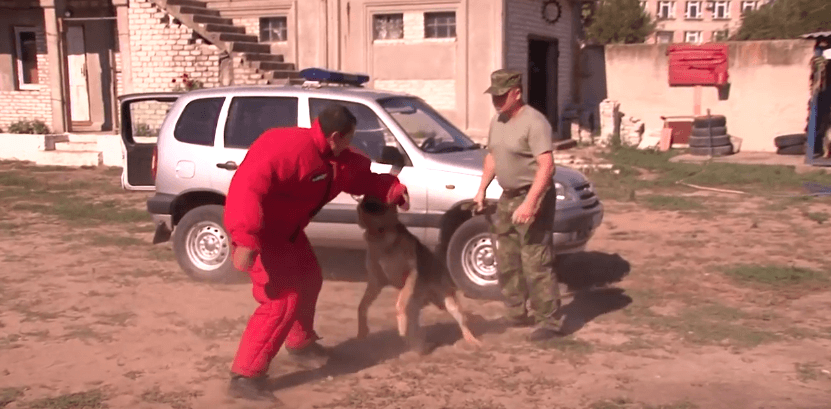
(92,315)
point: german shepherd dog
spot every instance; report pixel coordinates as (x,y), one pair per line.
(396,257)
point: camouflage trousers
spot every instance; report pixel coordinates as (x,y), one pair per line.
(525,259)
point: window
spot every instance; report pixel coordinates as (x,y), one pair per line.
(440,25)
(666,9)
(720,35)
(693,10)
(26,57)
(428,129)
(249,117)
(721,9)
(388,26)
(664,37)
(692,37)
(371,135)
(274,29)
(197,124)
(748,6)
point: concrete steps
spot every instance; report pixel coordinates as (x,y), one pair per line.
(206,19)
(77,146)
(71,158)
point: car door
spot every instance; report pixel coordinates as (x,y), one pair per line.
(142,116)
(245,119)
(337,223)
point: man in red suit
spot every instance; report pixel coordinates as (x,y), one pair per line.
(287,176)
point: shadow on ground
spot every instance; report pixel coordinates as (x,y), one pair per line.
(588,275)
(587,269)
(342,264)
(355,355)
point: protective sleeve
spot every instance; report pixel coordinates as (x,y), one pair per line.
(363,181)
(244,203)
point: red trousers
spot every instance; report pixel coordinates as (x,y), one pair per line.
(286,280)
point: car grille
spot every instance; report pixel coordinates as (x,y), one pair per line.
(586,196)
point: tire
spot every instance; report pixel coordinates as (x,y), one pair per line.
(471,260)
(783,141)
(704,141)
(717,131)
(716,151)
(713,120)
(203,247)
(792,150)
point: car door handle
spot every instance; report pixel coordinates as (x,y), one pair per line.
(230,165)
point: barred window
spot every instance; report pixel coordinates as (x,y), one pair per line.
(274,29)
(440,24)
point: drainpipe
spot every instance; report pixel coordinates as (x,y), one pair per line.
(54,55)
(123,30)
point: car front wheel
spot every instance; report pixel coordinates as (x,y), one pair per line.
(203,247)
(471,259)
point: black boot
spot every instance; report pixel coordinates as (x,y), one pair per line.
(518,322)
(313,353)
(249,388)
(544,334)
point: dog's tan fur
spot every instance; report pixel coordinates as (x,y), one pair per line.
(396,257)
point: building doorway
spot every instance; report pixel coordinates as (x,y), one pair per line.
(543,72)
(89,78)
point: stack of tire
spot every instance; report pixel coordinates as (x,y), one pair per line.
(709,136)
(793,144)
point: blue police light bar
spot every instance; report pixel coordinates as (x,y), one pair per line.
(322,75)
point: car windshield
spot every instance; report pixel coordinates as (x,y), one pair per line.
(428,129)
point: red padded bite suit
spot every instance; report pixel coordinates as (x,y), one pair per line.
(286,176)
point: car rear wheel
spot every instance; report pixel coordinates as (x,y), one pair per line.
(203,247)
(471,259)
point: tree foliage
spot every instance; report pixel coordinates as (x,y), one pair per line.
(619,21)
(784,19)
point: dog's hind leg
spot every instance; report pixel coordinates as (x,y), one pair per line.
(373,289)
(405,296)
(451,303)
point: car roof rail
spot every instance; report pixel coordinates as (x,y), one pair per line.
(318,77)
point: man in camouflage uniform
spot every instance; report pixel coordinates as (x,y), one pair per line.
(520,158)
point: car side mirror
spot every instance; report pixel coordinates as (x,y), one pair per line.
(390,155)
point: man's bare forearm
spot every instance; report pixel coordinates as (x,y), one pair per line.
(542,178)
(488,173)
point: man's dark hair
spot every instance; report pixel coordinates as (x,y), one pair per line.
(336,118)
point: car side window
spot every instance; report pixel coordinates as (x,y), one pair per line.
(371,135)
(249,117)
(197,124)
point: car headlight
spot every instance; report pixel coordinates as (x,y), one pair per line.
(562,193)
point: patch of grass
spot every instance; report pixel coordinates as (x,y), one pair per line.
(616,403)
(676,203)
(93,399)
(807,371)
(103,240)
(85,332)
(761,178)
(176,400)
(679,405)
(9,395)
(118,319)
(775,275)
(133,375)
(819,217)
(569,345)
(220,328)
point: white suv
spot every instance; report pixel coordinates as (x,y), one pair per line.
(204,135)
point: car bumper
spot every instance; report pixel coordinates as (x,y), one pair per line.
(160,207)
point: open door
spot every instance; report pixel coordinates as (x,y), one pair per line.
(141,119)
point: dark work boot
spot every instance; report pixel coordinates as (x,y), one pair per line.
(313,353)
(544,334)
(250,388)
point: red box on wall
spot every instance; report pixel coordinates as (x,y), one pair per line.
(704,64)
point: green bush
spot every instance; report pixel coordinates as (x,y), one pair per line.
(36,127)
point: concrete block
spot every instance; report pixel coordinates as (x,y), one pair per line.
(70,158)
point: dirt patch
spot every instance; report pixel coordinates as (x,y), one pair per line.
(712,301)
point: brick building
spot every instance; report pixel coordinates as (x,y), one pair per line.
(69,59)
(697,21)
